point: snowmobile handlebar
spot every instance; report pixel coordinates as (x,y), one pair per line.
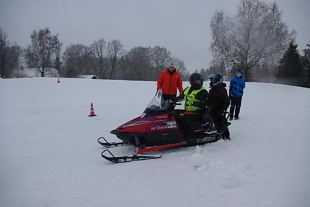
(173,102)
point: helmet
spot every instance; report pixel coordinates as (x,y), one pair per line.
(196,79)
(215,79)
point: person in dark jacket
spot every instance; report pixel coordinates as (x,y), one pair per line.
(218,103)
(236,86)
(196,97)
(169,81)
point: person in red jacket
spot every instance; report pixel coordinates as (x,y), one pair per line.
(169,81)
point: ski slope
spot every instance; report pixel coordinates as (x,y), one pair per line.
(49,155)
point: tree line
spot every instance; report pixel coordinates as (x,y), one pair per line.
(106,60)
(257,39)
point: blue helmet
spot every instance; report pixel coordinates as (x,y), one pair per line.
(215,79)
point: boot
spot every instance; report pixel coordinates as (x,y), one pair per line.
(231,112)
(226,135)
(237,112)
(211,128)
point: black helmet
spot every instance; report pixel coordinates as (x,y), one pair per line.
(215,79)
(196,79)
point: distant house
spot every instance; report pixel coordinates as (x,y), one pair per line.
(34,72)
(88,76)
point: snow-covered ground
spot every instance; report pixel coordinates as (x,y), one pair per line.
(49,155)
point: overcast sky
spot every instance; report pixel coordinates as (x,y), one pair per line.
(182,26)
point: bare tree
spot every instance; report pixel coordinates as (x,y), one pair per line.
(78,59)
(114,50)
(256,33)
(160,56)
(42,52)
(99,50)
(139,64)
(145,63)
(13,63)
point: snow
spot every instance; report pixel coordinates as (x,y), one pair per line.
(49,155)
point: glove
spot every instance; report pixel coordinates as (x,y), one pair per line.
(221,113)
(169,101)
(209,109)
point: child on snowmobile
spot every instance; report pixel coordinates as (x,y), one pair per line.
(196,97)
(218,103)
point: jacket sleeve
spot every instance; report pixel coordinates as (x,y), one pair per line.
(180,97)
(160,81)
(203,99)
(243,84)
(230,86)
(226,100)
(180,84)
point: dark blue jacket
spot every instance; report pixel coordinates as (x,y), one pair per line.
(236,86)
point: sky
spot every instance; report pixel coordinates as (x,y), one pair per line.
(181,26)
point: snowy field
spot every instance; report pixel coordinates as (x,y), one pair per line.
(49,156)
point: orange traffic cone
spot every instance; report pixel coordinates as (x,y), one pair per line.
(92,112)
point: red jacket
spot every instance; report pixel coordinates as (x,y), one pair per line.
(169,82)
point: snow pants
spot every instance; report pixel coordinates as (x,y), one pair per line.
(235,104)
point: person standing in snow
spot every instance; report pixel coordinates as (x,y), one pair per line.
(169,81)
(236,86)
(218,103)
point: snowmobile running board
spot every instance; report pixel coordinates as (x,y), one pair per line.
(122,159)
(162,147)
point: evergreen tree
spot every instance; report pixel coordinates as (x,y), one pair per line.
(306,65)
(290,70)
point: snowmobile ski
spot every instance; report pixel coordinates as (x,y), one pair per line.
(121,159)
(108,155)
(103,141)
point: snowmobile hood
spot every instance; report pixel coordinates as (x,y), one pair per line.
(147,124)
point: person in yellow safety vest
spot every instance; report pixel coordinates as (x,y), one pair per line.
(196,97)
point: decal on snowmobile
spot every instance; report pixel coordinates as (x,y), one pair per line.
(156,127)
(161,123)
(172,124)
(162,117)
(137,123)
(164,125)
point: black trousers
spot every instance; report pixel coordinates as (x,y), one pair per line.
(167,97)
(221,123)
(235,104)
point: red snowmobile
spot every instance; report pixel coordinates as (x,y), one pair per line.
(159,127)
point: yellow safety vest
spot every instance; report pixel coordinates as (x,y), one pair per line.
(190,99)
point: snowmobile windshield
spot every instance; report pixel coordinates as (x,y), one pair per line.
(157,105)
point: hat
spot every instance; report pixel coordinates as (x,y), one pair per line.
(239,69)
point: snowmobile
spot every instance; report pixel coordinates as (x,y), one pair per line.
(160,127)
